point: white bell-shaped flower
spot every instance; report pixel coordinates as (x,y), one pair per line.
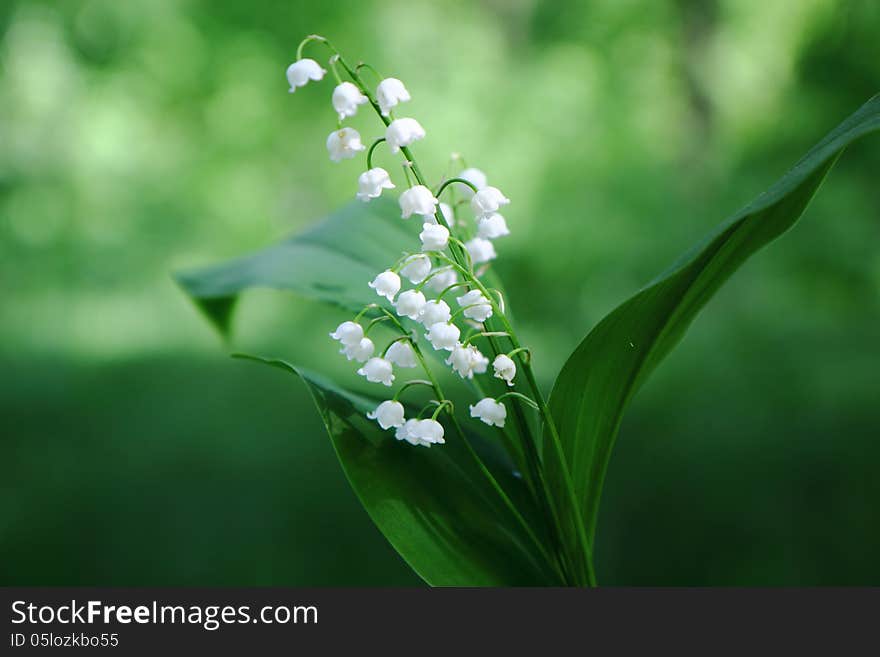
(388,414)
(428,431)
(488,200)
(410,304)
(360,352)
(378,370)
(492,226)
(446,211)
(416,268)
(480,250)
(443,335)
(445,277)
(435,311)
(346,98)
(390,93)
(403,132)
(386,284)
(492,412)
(417,200)
(476,306)
(348,333)
(401,354)
(434,237)
(467,361)
(407,433)
(344,144)
(372,182)
(505,368)
(476,178)
(303,70)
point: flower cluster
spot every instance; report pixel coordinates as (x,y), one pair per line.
(443,272)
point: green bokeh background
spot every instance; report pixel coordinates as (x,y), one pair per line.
(140,137)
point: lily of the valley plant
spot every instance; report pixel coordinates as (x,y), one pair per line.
(471,472)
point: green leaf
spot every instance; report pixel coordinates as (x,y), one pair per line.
(332,261)
(607,368)
(434,505)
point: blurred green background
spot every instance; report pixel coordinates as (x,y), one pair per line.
(140,137)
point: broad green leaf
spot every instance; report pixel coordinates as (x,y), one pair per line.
(607,368)
(434,505)
(332,261)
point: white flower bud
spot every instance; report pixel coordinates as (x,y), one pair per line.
(467,361)
(360,352)
(480,250)
(303,70)
(346,98)
(488,200)
(344,144)
(408,433)
(434,237)
(505,368)
(443,336)
(417,200)
(386,284)
(434,312)
(348,333)
(480,308)
(416,268)
(429,432)
(476,178)
(388,414)
(490,411)
(403,132)
(410,304)
(372,182)
(378,370)
(492,226)
(390,93)
(440,281)
(401,354)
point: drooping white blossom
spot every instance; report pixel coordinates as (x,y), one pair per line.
(360,352)
(476,306)
(428,431)
(492,226)
(372,182)
(390,93)
(403,132)
(386,284)
(378,370)
(476,178)
(488,200)
(303,70)
(344,144)
(401,354)
(443,336)
(410,304)
(418,200)
(346,98)
(348,333)
(444,277)
(505,368)
(416,268)
(467,361)
(435,311)
(410,433)
(480,250)
(388,414)
(434,237)
(489,411)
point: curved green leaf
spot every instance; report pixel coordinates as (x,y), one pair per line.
(435,506)
(602,374)
(331,261)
